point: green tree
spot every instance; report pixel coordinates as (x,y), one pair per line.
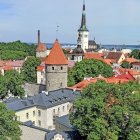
(16,50)
(125,64)
(108,112)
(29,69)
(135,53)
(3,87)
(9,128)
(11,82)
(88,68)
(14,83)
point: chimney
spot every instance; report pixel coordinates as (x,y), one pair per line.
(38,37)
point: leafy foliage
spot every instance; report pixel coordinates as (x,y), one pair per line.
(108,112)
(88,68)
(126,64)
(16,50)
(29,69)
(11,82)
(9,128)
(135,53)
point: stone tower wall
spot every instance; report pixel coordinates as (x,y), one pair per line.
(56,77)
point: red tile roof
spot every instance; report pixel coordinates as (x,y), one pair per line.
(6,68)
(56,55)
(41,47)
(114,55)
(88,81)
(40,68)
(90,55)
(131,60)
(136,63)
(131,71)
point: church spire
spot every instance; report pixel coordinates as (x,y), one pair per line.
(83,21)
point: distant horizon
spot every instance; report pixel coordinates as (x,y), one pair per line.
(69,43)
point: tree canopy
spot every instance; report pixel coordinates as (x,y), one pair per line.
(135,53)
(126,64)
(108,112)
(11,82)
(16,50)
(9,128)
(29,71)
(88,68)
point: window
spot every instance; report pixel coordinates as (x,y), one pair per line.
(39,122)
(61,68)
(52,68)
(39,113)
(53,111)
(33,113)
(63,108)
(33,122)
(27,115)
(58,109)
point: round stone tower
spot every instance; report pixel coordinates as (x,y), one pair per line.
(56,67)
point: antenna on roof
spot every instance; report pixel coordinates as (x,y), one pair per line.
(57,30)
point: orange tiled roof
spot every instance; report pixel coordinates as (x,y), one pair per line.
(90,55)
(131,71)
(6,68)
(40,68)
(41,47)
(56,55)
(131,60)
(88,81)
(108,61)
(114,55)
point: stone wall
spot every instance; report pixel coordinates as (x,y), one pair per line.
(33,89)
(32,133)
(56,77)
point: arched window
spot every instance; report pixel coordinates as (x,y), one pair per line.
(61,68)
(52,68)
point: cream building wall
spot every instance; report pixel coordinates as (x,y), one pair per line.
(42,54)
(121,58)
(41,79)
(43,118)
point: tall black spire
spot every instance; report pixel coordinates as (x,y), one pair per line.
(83,21)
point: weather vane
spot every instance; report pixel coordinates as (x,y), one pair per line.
(57,30)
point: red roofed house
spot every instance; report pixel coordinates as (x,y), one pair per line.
(91,55)
(88,81)
(11,65)
(131,60)
(56,66)
(41,79)
(41,50)
(136,65)
(116,57)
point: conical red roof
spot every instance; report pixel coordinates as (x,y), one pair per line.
(41,47)
(56,55)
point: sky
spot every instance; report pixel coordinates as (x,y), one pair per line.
(109,21)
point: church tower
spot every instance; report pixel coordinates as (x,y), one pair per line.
(83,33)
(41,50)
(56,66)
